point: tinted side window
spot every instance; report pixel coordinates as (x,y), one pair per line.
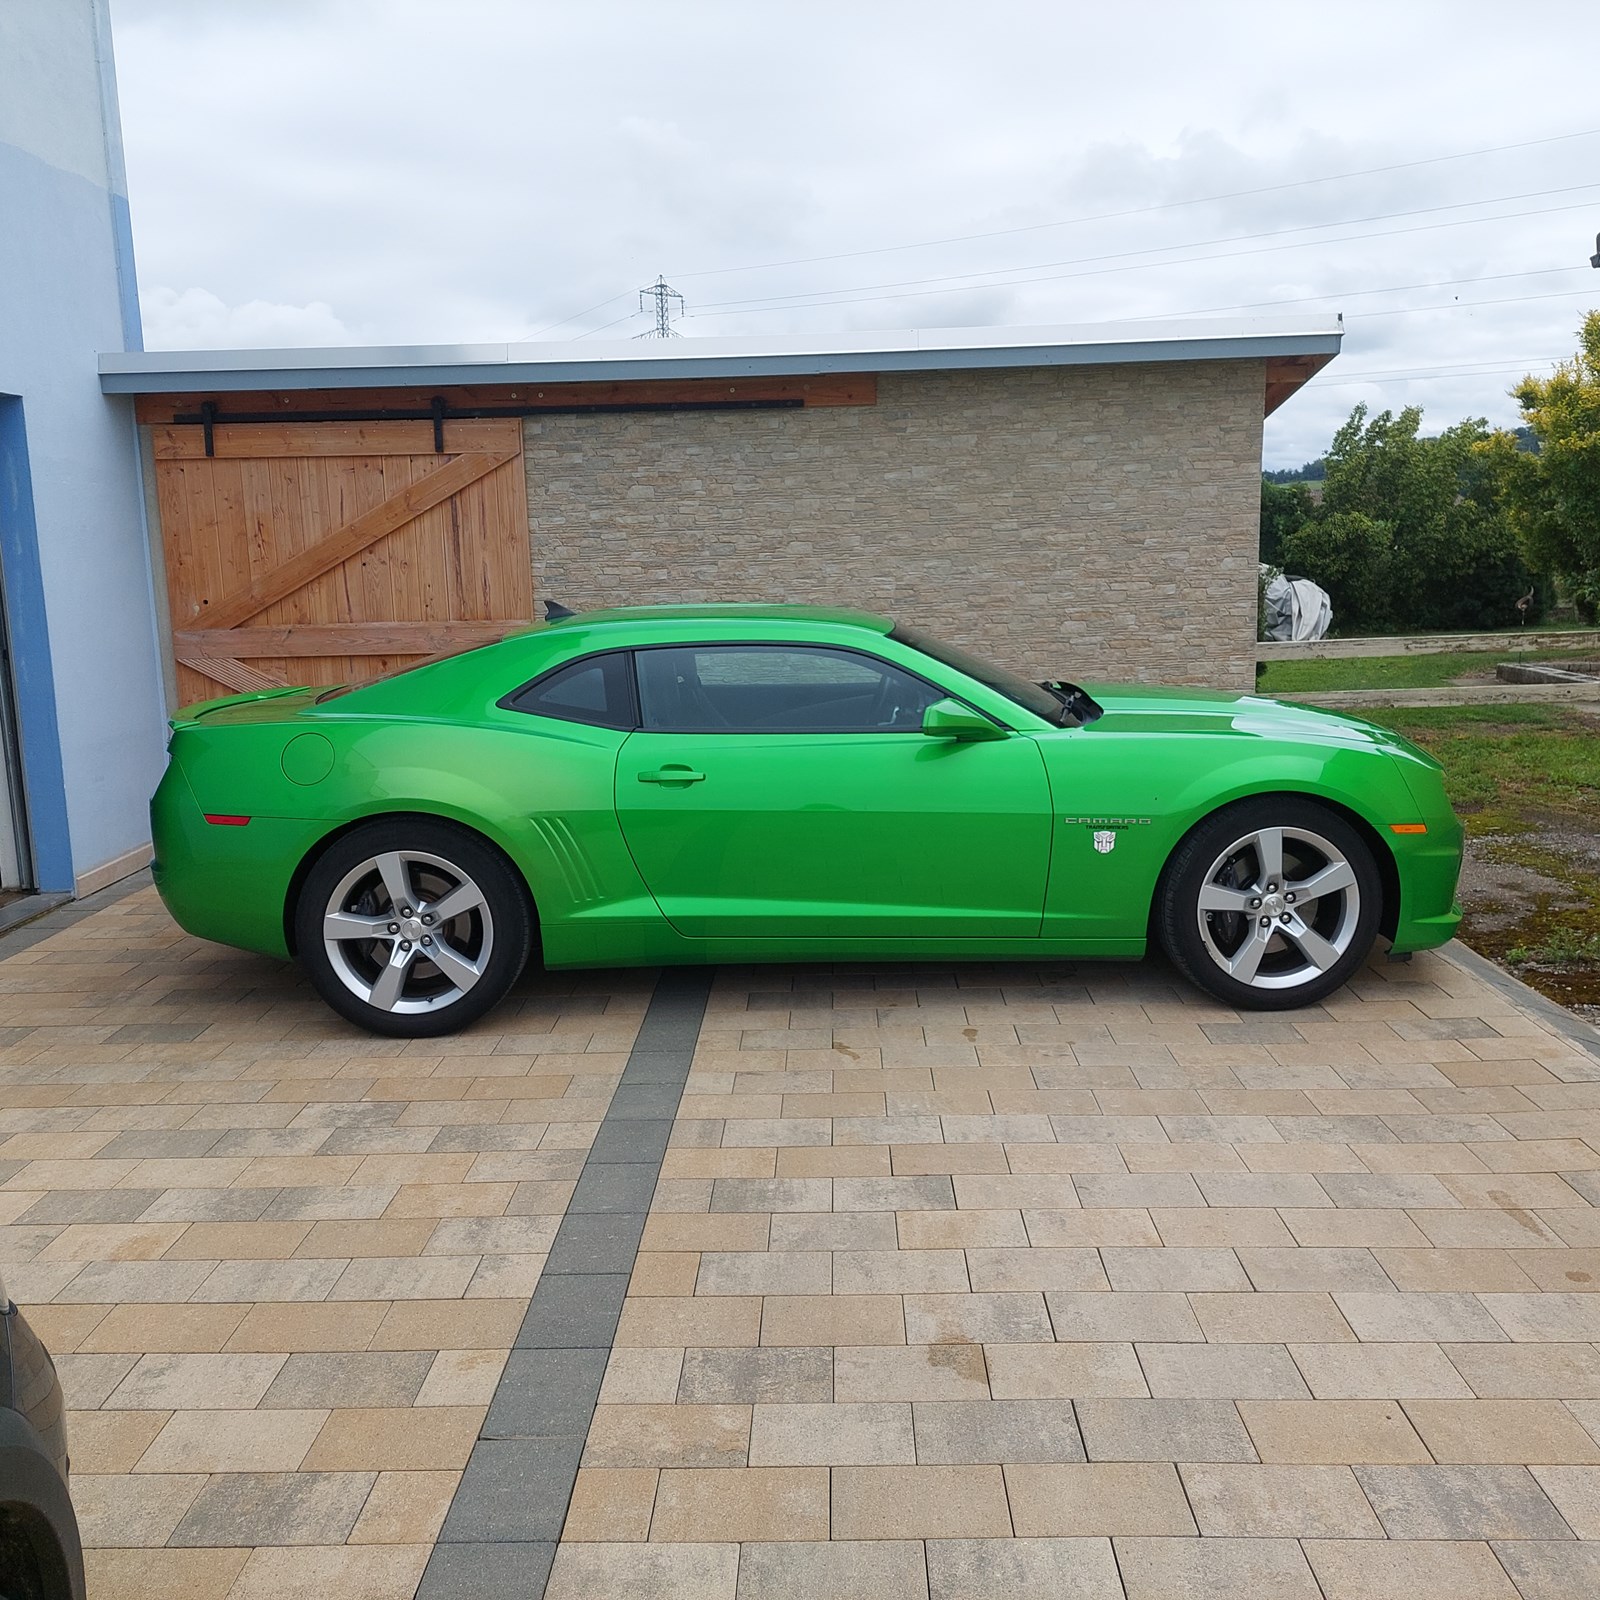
(753,688)
(596,689)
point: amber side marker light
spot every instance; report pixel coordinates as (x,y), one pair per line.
(1408,827)
(217,820)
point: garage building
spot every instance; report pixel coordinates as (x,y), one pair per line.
(1074,501)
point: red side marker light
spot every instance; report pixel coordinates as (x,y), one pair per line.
(218,820)
(1408,827)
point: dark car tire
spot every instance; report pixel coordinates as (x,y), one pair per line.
(1248,944)
(456,967)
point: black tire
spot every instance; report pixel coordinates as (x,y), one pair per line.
(491,939)
(1300,960)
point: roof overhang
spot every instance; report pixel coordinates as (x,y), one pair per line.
(1294,348)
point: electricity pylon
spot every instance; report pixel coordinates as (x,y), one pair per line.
(661,295)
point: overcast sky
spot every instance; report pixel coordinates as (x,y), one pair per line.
(309,172)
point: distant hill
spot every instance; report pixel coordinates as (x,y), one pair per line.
(1311,472)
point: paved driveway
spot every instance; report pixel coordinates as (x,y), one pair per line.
(935,1282)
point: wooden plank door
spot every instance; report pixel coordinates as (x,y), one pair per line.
(331,552)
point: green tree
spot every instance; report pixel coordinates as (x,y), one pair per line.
(1284,508)
(1411,533)
(1553,496)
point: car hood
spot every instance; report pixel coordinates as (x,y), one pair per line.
(1135,708)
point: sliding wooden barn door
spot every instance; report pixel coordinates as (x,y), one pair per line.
(331,552)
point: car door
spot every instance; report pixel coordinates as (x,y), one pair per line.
(787,790)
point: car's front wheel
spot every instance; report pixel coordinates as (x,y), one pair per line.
(412,927)
(1270,903)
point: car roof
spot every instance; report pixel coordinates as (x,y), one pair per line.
(838,617)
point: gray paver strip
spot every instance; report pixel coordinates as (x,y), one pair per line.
(519,1479)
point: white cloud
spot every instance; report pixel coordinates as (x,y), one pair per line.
(196,319)
(480,171)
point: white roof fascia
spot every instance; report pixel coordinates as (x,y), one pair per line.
(908,350)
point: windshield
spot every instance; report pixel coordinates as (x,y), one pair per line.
(1034,697)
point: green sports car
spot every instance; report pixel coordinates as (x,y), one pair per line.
(776,783)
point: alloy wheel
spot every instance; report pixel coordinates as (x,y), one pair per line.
(407,932)
(1278,907)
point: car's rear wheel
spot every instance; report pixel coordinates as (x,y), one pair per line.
(412,927)
(1270,903)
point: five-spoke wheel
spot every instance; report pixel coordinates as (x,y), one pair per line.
(1270,903)
(412,927)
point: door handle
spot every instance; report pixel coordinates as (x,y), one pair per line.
(673,773)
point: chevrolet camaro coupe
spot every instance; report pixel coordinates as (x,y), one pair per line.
(775,783)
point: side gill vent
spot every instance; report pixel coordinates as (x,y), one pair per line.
(576,872)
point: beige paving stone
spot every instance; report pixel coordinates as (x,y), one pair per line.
(668,1436)
(881,1569)
(110,1241)
(1329,1228)
(1575,1493)
(644,1572)
(405,1508)
(692,1320)
(1418,1316)
(1487,1271)
(725,1231)
(960,1230)
(858,1319)
(1072,1500)
(111,1441)
(267,1328)
(241,1241)
(838,1434)
(1092,1227)
(1159,1316)
(764,1272)
(929,1160)
(611,1505)
(450,1199)
(1220,1371)
(1184,1226)
(449,1325)
(134,1509)
(998,1569)
(1310,1269)
(1315,1432)
(233,1441)
(1063,1371)
(919,1502)
(994,1271)
(1530,1432)
(365,1572)
(834,1161)
(900,1272)
(1276,1318)
(1432,1569)
(1159,1568)
(395,1439)
(163,1574)
(177,1329)
(1007,1318)
(696,1505)
(1547,1317)
(1371,1371)
(1529,1371)
(1468,1228)
(195,1382)
(1298,1502)
(913,1372)
(642,1376)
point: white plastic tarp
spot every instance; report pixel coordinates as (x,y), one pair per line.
(1296,608)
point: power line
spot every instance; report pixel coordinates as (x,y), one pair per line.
(953,280)
(1137,211)
(1142,266)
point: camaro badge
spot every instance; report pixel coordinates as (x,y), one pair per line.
(1105,841)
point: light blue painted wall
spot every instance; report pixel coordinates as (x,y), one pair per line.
(67,292)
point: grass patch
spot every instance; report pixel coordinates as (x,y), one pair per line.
(1396,672)
(1507,765)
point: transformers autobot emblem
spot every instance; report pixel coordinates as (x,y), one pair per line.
(1105,841)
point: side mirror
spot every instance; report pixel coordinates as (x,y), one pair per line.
(949,719)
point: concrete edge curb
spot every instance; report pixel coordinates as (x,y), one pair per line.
(61,912)
(1555,1017)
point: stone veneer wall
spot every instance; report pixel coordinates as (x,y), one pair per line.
(1087,522)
